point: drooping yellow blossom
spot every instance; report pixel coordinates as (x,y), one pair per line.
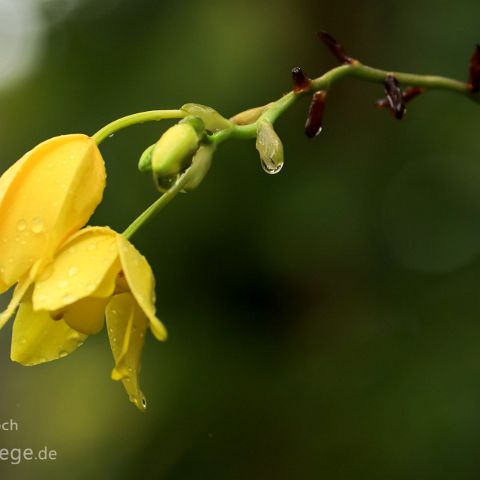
(97,273)
(46,196)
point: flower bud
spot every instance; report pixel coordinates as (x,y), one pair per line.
(145,162)
(200,165)
(269,147)
(173,152)
(211,118)
(249,116)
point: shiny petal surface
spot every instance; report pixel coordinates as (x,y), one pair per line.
(46,196)
(37,338)
(140,279)
(18,294)
(127,324)
(86,266)
(87,315)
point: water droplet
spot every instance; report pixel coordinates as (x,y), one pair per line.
(270,167)
(90,287)
(21,225)
(72,271)
(111,135)
(23,341)
(68,298)
(144,402)
(63,284)
(91,246)
(63,354)
(36,225)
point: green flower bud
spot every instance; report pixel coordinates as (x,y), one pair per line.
(200,165)
(211,118)
(173,153)
(145,162)
(269,147)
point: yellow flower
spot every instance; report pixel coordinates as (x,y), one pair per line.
(46,196)
(97,273)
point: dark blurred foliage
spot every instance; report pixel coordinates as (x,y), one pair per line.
(324,322)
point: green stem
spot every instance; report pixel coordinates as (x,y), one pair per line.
(155,207)
(142,117)
(273,112)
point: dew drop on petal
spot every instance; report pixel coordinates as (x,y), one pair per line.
(21,225)
(72,271)
(37,225)
(63,354)
(68,298)
(63,284)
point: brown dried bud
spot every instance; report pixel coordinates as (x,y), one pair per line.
(408,94)
(335,47)
(301,82)
(314,123)
(474,71)
(411,92)
(394,97)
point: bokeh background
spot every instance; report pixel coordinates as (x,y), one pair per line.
(324,322)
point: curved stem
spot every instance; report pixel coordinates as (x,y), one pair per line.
(272,113)
(142,117)
(156,206)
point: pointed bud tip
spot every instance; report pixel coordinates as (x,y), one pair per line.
(314,123)
(301,82)
(331,43)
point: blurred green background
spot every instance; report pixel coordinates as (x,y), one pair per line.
(324,322)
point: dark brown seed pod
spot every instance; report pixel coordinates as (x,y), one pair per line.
(301,82)
(314,123)
(335,47)
(474,71)
(394,97)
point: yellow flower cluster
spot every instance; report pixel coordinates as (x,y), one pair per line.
(70,279)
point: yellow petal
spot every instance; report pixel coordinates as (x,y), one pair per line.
(126,330)
(18,294)
(37,338)
(86,266)
(46,196)
(87,315)
(141,282)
